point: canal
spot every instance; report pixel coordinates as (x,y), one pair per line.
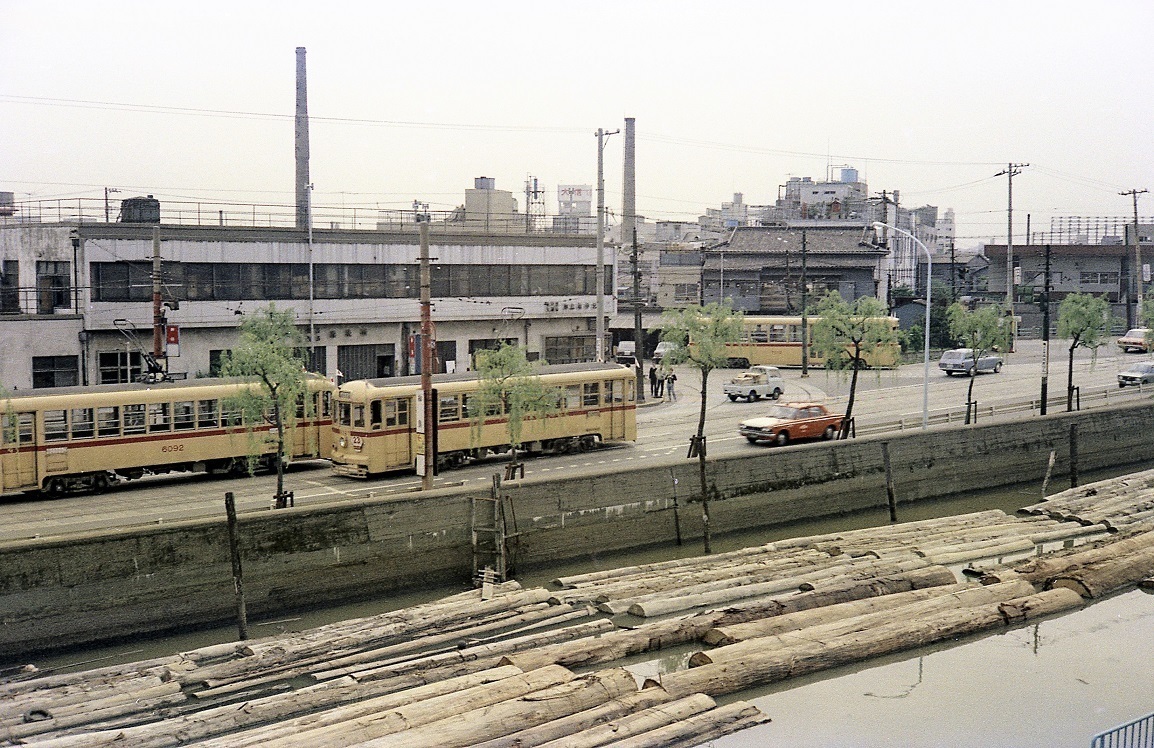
(1053,683)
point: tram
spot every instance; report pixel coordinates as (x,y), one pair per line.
(376,420)
(83,438)
(776,341)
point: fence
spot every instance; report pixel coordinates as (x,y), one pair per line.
(1136,734)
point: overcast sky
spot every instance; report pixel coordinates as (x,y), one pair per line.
(413,100)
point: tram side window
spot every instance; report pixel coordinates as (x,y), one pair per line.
(397,412)
(82,423)
(134,419)
(759,335)
(55,425)
(326,404)
(777,333)
(158,419)
(207,414)
(345,414)
(359,416)
(183,415)
(16,428)
(108,421)
(375,415)
(230,413)
(572,396)
(589,399)
(449,409)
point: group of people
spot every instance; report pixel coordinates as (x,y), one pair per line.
(661,383)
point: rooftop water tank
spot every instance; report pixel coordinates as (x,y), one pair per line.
(140,210)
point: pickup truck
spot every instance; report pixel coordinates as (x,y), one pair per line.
(755,383)
(790,422)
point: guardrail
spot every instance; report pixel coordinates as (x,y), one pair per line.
(1136,734)
(1098,398)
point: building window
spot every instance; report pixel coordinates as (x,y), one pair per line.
(570,349)
(10,287)
(1099,279)
(53,287)
(118,367)
(685,292)
(55,371)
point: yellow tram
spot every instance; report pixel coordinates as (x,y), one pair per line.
(776,341)
(376,419)
(81,438)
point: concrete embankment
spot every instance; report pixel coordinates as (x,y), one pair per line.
(87,588)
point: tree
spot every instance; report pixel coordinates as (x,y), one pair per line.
(699,335)
(980,330)
(1085,320)
(271,350)
(509,384)
(848,334)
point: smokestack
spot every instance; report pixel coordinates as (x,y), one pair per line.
(302,142)
(629,184)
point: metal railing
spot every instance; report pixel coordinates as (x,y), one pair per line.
(1094,398)
(1136,734)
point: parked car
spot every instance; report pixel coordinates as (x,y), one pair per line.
(756,383)
(1134,341)
(961,361)
(1139,373)
(626,353)
(663,349)
(792,421)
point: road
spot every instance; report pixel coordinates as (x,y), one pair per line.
(664,428)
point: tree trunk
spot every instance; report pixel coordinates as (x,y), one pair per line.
(845,424)
(701,465)
(1070,378)
(276,414)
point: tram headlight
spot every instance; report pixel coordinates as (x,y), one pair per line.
(343,442)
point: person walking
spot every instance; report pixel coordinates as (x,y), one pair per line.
(670,378)
(653,381)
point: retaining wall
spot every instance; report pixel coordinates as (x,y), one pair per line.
(98,586)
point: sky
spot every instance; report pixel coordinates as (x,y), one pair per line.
(412,101)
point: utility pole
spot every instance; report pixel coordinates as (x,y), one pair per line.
(1138,279)
(600,274)
(1010,171)
(157,311)
(953,274)
(107,211)
(312,284)
(429,459)
(1046,332)
(637,331)
(804,315)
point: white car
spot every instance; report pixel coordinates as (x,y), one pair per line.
(663,348)
(1137,374)
(961,361)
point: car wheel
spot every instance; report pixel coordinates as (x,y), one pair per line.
(100,482)
(781,439)
(776,394)
(949,373)
(828,433)
(997,367)
(733,398)
(751,439)
(753,396)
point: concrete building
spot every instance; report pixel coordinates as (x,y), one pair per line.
(70,290)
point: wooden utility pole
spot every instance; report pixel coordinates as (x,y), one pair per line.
(1138,279)
(428,459)
(804,315)
(637,331)
(1010,171)
(1046,333)
(157,311)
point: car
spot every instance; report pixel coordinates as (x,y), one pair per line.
(961,361)
(791,422)
(755,383)
(1137,374)
(1134,341)
(626,353)
(663,349)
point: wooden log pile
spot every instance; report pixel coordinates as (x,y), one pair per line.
(1123,503)
(526,667)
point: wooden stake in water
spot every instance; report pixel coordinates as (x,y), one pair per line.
(1049,470)
(237,574)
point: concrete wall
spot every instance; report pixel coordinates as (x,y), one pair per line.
(117,584)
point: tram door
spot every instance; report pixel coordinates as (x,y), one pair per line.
(18,451)
(616,393)
(393,448)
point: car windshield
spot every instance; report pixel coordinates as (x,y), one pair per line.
(1145,368)
(784,412)
(958,355)
(1137,332)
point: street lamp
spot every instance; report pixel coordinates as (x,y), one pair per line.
(929,284)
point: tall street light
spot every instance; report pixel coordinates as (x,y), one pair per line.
(929,284)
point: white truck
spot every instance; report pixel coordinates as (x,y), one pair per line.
(755,383)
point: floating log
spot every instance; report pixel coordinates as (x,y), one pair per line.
(797,654)
(637,723)
(1039,570)
(1104,576)
(574,723)
(699,729)
(467,728)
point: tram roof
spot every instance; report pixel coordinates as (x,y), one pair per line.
(466,376)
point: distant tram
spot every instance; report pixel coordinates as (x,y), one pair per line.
(83,438)
(376,419)
(776,341)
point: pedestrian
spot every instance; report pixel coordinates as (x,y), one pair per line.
(653,381)
(660,376)
(669,380)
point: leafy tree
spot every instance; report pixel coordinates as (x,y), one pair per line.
(1085,320)
(848,334)
(1146,319)
(700,334)
(271,350)
(981,330)
(509,384)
